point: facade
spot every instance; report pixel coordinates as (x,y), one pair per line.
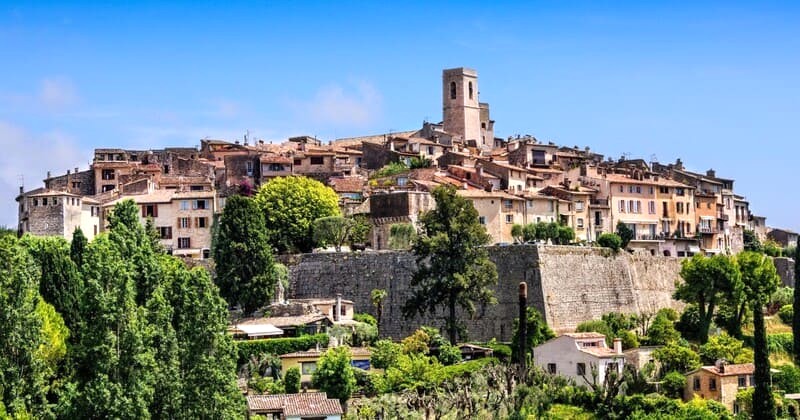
(44,212)
(720,383)
(461,108)
(497,212)
(306,361)
(576,355)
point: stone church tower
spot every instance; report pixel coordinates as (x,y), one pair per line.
(462,112)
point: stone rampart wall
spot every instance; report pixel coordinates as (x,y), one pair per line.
(567,284)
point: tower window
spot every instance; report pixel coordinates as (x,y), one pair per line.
(452,90)
(470,90)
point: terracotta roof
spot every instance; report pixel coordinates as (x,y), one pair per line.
(487,194)
(43,192)
(294,405)
(623,179)
(474,171)
(157,196)
(275,159)
(731,370)
(347,183)
(377,138)
(600,351)
(354,351)
(293,321)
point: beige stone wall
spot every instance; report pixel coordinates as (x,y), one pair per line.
(462,114)
(498,225)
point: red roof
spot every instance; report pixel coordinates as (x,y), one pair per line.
(305,404)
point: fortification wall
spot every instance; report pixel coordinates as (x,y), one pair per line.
(567,284)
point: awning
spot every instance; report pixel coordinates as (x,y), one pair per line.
(259,330)
(640,222)
(707,218)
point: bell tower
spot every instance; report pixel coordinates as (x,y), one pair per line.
(461,108)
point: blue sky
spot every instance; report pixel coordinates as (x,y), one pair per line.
(716,84)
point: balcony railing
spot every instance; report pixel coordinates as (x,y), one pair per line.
(598,202)
(722,216)
(707,230)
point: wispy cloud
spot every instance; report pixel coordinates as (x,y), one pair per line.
(355,104)
(27,156)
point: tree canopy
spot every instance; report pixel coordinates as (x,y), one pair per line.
(245,271)
(454,269)
(290,205)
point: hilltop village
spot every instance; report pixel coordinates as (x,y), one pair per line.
(671,210)
(638,329)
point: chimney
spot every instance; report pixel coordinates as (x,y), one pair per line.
(76,169)
(711,173)
(479,170)
(337,316)
(48,174)
(68,172)
(21,189)
(618,345)
(720,364)
(391,146)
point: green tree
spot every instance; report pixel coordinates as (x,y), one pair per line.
(706,282)
(516,233)
(529,232)
(662,330)
(565,235)
(244,264)
(360,230)
(402,235)
(610,240)
(291,380)
(384,353)
(625,234)
(378,296)
(332,230)
(760,280)
(537,332)
(787,379)
(77,246)
(676,357)
(334,375)
(751,242)
(673,384)
(290,205)
(723,346)
(25,373)
(454,269)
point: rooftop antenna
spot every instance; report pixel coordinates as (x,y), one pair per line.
(246,135)
(21,180)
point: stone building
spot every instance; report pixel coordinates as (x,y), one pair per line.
(389,208)
(574,355)
(720,383)
(464,116)
(498,211)
(44,212)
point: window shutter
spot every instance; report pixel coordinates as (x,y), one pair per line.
(178,224)
(155,210)
(144,210)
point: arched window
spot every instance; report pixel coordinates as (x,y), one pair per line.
(470,90)
(452,90)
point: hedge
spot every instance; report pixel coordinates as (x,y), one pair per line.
(278,346)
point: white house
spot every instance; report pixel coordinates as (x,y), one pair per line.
(574,355)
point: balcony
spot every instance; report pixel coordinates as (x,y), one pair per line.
(722,216)
(650,238)
(706,230)
(598,202)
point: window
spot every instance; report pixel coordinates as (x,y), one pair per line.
(35,202)
(622,206)
(598,220)
(663,190)
(196,188)
(580,223)
(712,384)
(651,207)
(76,184)
(165,232)
(308,368)
(298,162)
(184,243)
(638,189)
(55,201)
(44,201)
(550,206)
(150,210)
(452,90)
(551,368)
(184,223)
(107,188)
(317,160)
(696,383)
(630,189)
(200,204)
(638,206)
(651,190)
(482,220)
(107,174)
(579,206)
(679,207)
(206,254)
(678,191)
(470,90)
(249,168)
(201,222)
(508,204)
(742,381)
(509,218)
(629,208)
(184,204)
(581,368)
(621,188)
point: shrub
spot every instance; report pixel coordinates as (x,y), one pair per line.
(291,381)
(501,351)
(449,354)
(278,346)
(788,379)
(366,318)
(393,168)
(266,385)
(780,343)
(786,313)
(384,354)
(673,384)
(465,368)
(783,296)
(674,356)
(610,240)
